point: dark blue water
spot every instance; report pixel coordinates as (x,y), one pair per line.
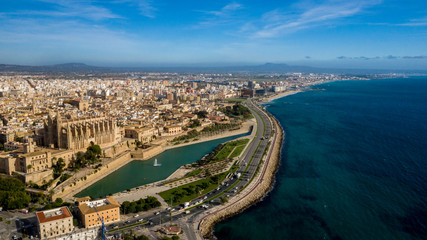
(353,166)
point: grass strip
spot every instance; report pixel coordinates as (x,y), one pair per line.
(237,151)
(128,226)
(246,169)
(196,188)
(193,173)
(228,149)
(232,186)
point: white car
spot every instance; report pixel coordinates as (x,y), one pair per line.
(137,215)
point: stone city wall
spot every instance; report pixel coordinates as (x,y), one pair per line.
(145,154)
(38,177)
(70,189)
(119,148)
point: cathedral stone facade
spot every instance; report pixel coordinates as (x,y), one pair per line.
(79,133)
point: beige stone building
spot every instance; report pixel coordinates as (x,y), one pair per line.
(82,105)
(142,134)
(172,130)
(13,145)
(33,163)
(54,223)
(91,212)
(79,133)
(6,135)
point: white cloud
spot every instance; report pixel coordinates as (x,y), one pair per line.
(277,22)
(36,41)
(415,22)
(145,7)
(225,15)
(231,7)
(66,32)
(70,8)
(67,28)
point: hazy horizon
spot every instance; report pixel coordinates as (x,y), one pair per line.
(314,64)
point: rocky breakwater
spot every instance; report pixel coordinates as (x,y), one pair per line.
(258,188)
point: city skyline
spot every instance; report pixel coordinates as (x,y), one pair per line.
(362,34)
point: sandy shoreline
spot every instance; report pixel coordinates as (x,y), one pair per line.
(255,192)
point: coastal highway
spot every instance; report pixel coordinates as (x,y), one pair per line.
(249,163)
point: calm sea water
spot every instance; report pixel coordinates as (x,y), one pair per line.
(354,166)
(137,173)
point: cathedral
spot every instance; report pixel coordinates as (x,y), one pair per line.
(79,133)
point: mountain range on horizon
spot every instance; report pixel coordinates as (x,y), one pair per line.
(264,68)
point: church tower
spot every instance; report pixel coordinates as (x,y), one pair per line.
(34,108)
(29,147)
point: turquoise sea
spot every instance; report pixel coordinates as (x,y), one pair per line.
(353,166)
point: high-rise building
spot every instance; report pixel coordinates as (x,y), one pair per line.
(251,84)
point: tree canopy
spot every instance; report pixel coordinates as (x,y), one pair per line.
(91,156)
(140,205)
(237,110)
(58,168)
(194,123)
(202,114)
(12,194)
(96,149)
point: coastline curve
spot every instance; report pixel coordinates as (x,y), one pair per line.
(263,186)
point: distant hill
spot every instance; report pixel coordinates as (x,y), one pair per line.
(67,68)
(73,67)
(265,68)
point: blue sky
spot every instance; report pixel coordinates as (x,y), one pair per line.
(326,33)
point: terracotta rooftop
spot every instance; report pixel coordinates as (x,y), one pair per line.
(171,230)
(53,214)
